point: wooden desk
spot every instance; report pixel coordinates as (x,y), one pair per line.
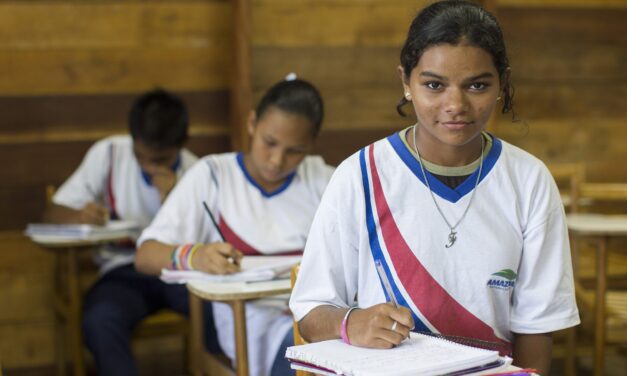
(236,294)
(601,228)
(67,300)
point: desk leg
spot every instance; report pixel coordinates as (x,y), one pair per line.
(241,343)
(197,348)
(599,339)
(74,319)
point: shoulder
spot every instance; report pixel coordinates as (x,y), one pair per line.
(523,164)
(187,158)
(314,167)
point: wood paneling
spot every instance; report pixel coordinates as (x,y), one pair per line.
(40,118)
(107,47)
(318,23)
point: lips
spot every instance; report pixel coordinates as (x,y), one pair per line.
(455,125)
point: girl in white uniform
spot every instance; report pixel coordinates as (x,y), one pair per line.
(468,229)
(263,200)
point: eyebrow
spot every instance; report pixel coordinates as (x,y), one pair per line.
(473,78)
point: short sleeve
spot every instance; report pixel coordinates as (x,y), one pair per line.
(329,268)
(87,183)
(544,296)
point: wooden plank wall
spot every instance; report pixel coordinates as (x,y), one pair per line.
(70,70)
(72,67)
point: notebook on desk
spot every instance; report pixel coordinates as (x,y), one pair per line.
(254,269)
(418,355)
(114,229)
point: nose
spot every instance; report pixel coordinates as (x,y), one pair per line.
(277,158)
(456,101)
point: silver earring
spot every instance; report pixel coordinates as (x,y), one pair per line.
(498,99)
(407,95)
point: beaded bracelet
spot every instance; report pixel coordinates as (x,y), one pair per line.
(344,327)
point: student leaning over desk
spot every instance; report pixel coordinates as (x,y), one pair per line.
(263,201)
(469,229)
(128,177)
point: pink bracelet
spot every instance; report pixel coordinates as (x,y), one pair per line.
(344,327)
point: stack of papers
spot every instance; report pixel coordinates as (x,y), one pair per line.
(253,269)
(418,355)
(114,230)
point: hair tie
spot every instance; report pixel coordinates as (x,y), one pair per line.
(290,76)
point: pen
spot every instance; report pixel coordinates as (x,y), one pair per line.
(232,260)
(386,282)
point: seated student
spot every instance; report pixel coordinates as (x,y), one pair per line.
(127,177)
(469,229)
(263,200)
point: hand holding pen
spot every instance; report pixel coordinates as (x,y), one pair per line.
(217,258)
(383,325)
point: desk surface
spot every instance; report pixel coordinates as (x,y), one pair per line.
(597,224)
(65,242)
(238,290)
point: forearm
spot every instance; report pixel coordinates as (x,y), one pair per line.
(322,323)
(61,214)
(152,256)
(533,351)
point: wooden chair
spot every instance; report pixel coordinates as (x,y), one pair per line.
(613,306)
(72,273)
(298,340)
(569,177)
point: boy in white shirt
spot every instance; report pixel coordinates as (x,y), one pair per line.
(127,178)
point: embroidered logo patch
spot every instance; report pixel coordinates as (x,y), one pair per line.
(503,280)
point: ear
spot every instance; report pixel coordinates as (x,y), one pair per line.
(252,122)
(404,79)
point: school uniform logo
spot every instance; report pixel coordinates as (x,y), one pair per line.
(503,280)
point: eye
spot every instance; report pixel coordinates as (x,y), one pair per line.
(433,85)
(479,86)
(269,142)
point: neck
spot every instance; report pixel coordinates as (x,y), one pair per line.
(256,176)
(442,154)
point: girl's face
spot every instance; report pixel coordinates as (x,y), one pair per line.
(279,142)
(454,90)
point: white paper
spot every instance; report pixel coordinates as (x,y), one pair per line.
(254,268)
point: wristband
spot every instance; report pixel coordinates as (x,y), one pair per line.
(344,327)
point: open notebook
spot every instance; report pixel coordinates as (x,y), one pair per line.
(114,229)
(418,355)
(254,268)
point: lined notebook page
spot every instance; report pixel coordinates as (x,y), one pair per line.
(418,355)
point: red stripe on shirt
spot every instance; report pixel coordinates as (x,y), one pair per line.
(231,237)
(434,302)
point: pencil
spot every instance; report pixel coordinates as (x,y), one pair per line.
(213,220)
(232,260)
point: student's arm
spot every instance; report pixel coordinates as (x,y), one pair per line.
(92,213)
(215,258)
(533,351)
(370,327)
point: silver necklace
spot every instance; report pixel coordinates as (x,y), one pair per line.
(452,236)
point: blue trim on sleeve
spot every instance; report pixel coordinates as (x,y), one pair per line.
(264,193)
(439,188)
(375,247)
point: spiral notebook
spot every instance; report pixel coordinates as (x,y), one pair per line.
(418,355)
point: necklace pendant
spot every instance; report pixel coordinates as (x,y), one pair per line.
(452,238)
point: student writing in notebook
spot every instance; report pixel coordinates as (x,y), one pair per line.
(263,202)
(127,178)
(469,229)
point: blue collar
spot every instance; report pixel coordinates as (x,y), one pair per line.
(264,193)
(439,188)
